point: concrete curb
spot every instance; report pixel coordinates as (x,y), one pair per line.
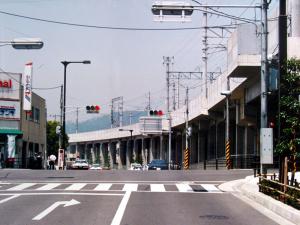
(248,187)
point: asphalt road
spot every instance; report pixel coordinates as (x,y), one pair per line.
(122,197)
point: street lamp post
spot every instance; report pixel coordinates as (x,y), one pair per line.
(130,130)
(66,63)
(227,141)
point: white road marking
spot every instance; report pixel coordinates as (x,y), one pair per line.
(102,187)
(64,193)
(9,198)
(75,187)
(130,187)
(184,188)
(120,212)
(157,188)
(21,187)
(48,187)
(210,188)
(54,206)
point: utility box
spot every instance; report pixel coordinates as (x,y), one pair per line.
(266,145)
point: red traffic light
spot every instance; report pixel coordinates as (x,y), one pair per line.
(156,113)
(92,109)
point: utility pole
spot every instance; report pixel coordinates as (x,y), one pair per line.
(282,58)
(187,126)
(60,119)
(77,112)
(174,96)
(205,47)
(264,71)
(149,101)
(167,61)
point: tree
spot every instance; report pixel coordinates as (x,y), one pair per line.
(53,138)
(289,142)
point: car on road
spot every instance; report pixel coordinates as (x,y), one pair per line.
(95,167)
(136,166)
(80,164)
(158,164)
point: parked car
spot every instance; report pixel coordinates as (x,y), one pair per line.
(80,164)
(135,166)
(158,164)
(95,167)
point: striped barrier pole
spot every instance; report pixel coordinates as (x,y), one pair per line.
(227,152)
(186,159)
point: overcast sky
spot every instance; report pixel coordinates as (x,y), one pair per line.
(124,62)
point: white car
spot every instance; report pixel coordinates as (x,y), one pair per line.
(135,166)
(95,167)
(80,164)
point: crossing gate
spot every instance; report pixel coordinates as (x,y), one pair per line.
(186,159)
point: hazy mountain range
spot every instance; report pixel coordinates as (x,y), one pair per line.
(103,122)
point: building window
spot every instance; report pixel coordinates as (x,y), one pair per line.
(36,115)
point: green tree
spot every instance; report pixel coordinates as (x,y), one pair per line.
(53,138)
(289,142)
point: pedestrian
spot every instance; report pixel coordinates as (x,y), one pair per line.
(52,161)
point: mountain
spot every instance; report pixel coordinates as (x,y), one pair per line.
(103,122)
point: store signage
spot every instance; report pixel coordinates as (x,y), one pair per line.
(6,83)
(9,110)
(27,82)
(10,86)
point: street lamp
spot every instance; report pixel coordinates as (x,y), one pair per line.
(24,43)
(130,130)
(227,141)
(66,63)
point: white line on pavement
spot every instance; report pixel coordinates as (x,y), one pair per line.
(21,187)
(64,193)
(102,187)
(75,187)
(184,188)
(48,187)
(130,187)
(157,188)
(120,212)
(9,198)
(210,188)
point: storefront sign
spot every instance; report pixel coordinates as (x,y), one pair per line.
(10,86)
(10,110)
(27,83)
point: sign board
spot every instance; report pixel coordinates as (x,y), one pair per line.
(61,156)
(10,110)
(266,146)
(10,86)
(27,84)
(150,125)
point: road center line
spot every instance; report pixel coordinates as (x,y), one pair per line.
(120,212)
(9,198)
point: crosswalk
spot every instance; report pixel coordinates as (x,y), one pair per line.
(134,187)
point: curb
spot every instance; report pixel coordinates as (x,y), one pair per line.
(248,188)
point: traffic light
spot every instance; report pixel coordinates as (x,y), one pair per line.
(92,108)
(156,113)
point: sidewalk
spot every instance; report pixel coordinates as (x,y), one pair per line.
(247,190)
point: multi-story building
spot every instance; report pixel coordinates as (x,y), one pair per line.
(22,133)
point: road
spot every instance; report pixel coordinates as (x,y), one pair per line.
(32,197)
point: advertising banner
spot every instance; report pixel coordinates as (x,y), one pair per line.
(27,84)
(11,146)
(10,86)
(10,110)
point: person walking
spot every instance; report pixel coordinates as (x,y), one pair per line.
(52,162)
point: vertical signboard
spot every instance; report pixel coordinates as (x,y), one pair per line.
(266,146)
(27,84)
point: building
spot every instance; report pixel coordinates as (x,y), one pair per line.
(22,133)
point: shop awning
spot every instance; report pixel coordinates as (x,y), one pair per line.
(10,131)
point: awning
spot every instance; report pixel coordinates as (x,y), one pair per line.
(10,131)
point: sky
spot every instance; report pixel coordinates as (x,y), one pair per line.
(126,63)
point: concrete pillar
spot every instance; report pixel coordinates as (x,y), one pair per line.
(93,153)
(151,149)
(85,151)
(161,147)
(110,154)
(245,146)
(128,154)
(101,148)
(118,155)
(135,150)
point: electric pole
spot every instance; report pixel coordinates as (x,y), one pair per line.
(205,47)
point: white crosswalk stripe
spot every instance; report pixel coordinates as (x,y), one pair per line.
(133,187)
(48,187)
(184,188)
(210,188)
(130,187)
(157,188)
(21,187)
(75,187)
(103,187)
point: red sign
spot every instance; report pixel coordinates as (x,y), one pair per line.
(5,84)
